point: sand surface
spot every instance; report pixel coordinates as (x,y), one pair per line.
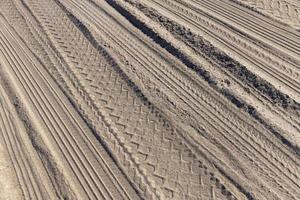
(152,99)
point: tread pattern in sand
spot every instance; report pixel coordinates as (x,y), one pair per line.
(61,128)
(122,106)
(287,11)
(122,115)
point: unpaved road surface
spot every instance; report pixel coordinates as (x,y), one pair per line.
(152,99)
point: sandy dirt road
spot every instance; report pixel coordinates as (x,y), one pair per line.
(127,99)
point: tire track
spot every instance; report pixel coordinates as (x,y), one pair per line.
(194,5)
(277,36)
(109,108)
(246,76)
(286,12)
(61,66)
(89,174)
(27,179)
(123,44)
(96,120)
(196,62)
(77,61)
(243,50)
(103,94)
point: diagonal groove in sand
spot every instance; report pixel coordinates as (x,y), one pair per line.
(74,146)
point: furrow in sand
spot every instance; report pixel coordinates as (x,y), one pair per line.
(134,53)
(135,47)
(68,155)
(85,105)
(72,84)
(285,120)
(147,126)
(79,149)
(24,173)
(11,183)
(76,61)
(265,64)
(276,35)
(179,30)
(285,11)
(132,47)
(295,68)
(33,177)
(190,8)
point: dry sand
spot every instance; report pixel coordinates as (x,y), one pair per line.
(152,99)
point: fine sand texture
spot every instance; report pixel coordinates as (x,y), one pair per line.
(149,99)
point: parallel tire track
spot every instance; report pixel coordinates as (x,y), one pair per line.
(135,55)
(117,120)
(285,11)
(202,62)
(262,87)
(269,66)
(131,41)
(82,102)
(163,158)
(88,171)
(14,137)
(277,36)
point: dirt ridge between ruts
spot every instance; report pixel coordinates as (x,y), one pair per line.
(90,178)
(264,13)
(55,176)
(85,21)
(89,36)
(68,93)
(225,61)
(200,44)
(129,99)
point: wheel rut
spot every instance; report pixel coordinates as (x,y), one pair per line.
(93,182)
(134,100)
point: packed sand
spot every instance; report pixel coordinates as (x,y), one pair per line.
(150,99)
